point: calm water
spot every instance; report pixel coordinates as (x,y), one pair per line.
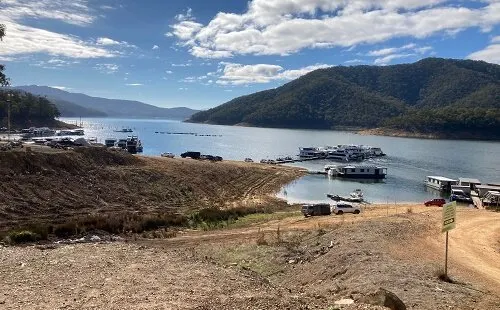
(408,161)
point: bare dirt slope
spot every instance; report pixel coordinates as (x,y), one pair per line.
(52,187)
(306,266)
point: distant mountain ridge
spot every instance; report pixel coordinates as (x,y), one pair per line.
(76,104)
(433,95)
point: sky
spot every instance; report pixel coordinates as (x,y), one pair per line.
(202,53)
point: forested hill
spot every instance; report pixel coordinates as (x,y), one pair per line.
(26,110)
(432,95)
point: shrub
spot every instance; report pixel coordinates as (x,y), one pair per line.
(23,236)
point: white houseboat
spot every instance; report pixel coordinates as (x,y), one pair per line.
(358,172)
(308,152)
(440,183)
(466,185)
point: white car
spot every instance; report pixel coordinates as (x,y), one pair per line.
(341,208)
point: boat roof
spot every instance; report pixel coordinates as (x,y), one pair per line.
(364,167)
(497,188)
(444,179)
(469,180)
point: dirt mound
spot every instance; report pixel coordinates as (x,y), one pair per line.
(27,162)
(52,187)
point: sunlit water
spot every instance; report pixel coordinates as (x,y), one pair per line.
(408,161)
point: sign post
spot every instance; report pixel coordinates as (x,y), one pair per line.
(449,223)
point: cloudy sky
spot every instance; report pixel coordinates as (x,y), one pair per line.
(201,53)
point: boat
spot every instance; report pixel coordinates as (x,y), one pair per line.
(125,130)
(338,155)
(356,196)
(167,154)
(110,142)
(358,172)
(121,143)
(133,144)
(309,152)
(440,183)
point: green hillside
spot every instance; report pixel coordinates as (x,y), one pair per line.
(430,96)
(26,110)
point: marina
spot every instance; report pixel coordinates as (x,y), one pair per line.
(408,161)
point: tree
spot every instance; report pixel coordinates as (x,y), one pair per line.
(4,81)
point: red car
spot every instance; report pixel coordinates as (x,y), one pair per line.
(438,202)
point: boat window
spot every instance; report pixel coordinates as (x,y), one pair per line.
(362,170)
(353,170)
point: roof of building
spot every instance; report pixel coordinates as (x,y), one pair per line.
(444,179)
(364,167)
(497,188)
(469,180)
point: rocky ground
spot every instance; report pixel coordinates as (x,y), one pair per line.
(284,263)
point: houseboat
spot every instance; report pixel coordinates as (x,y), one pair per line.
(466,185)
(308,152)
(339,155)
(133,145)
(440,183)
(110,142)
(358,172)
(122,143)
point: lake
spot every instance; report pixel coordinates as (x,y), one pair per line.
(408,160)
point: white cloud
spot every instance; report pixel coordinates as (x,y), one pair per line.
(392,50)
(74,12)
(354,61)
(386,55)
(22,39)
(489,54)
(155,47)
(182,65)
(61,87)
(187,16)
(168,72)
(54,63)
(387,59)
(134,84)
(238,74)
(282,27)
(107,68)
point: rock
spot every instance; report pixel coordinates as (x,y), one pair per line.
(292,261)
(95,238)
(346,301)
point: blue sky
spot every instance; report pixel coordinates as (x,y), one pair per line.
(203,53)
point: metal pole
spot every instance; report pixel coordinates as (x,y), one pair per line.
(446,258)
(8,119)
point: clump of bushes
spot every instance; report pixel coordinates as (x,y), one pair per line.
(23,236)
(126,222)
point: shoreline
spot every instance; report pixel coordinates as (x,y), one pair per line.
(387,132)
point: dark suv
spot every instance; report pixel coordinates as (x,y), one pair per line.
(316,209)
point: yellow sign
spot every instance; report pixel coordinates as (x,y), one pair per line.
(449,216)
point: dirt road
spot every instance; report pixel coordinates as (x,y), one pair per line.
(475,245)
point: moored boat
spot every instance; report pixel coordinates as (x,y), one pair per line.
(440,183)
(358,172)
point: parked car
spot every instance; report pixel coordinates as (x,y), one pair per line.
(438,202)
(193,155)
(316,209)
(341,208)
(248,160)
(460,198)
